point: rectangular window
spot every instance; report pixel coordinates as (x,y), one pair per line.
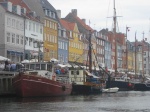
(55,26)
(17,24)
(13,38)
(17,39)
(45,36)
(37,28)
(66,47)
(55,39)
(21,26)
(33,27)
(50,24)
(45,23)
(29,26)
(13,23)
(8,37)
(8,22)
(41,29)
(26,25)
(22,40)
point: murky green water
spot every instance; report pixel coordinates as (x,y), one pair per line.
(132,101)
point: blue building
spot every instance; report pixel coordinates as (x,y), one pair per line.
(62,42)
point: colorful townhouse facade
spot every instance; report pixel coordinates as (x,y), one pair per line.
(85,31)
(75,52)
(48,15)
(63,41)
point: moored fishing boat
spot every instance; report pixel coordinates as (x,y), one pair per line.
(42,80)
(84,82)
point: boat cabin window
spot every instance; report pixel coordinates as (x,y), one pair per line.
(32,66)
(37,66)
(43,67)
(27,66)
(49,67)
(72,72)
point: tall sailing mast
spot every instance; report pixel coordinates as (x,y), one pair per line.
(114,32)
(90,53)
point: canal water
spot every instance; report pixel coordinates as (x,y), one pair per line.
(129,101)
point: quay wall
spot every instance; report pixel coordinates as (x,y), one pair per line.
(6,87)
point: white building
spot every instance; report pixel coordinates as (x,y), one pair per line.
(33,37)
(11,31)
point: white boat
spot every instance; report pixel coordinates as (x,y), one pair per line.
(110,90)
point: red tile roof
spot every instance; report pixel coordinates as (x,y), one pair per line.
(67,25)
(18,2)
(23,5)
(87,27)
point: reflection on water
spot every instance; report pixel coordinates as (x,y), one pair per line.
(132,101)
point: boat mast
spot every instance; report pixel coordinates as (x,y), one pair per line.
(135,53)
(90,53)
(114,30)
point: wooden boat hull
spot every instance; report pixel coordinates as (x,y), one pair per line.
(33,86)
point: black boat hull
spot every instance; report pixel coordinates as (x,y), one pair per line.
(122,85)
(84,90)
(141,87)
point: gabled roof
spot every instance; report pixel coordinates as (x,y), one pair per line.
(87,27)
(23,5)
(47,5)
(17,2)
(67,25)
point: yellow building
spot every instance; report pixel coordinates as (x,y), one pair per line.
(75,42)
(131,61)
(50,39)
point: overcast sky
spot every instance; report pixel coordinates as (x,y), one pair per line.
(133,13)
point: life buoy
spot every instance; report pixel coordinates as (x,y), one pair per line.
(63,88)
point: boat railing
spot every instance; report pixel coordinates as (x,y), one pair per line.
(63,79)
(121,78)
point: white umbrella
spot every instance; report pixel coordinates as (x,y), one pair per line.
(25,61)
(4,58)
(54,60)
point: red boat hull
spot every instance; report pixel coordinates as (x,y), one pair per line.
(33,86)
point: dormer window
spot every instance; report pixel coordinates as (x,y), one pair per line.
(70,33)
(49,13)
(45,12)
(52,14)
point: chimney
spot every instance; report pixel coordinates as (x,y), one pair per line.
(9,7)
(59,14)
(74,12)
(84,21)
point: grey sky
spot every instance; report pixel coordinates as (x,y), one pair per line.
(134,13)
